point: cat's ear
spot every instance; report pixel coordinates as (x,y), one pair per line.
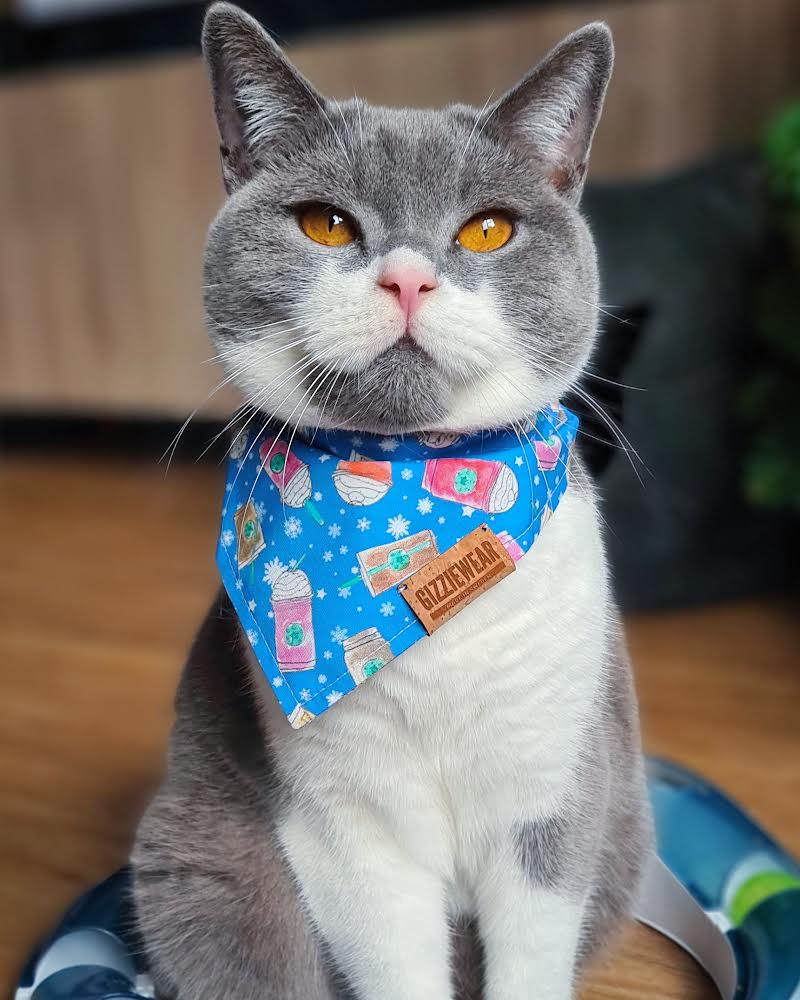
(258,94)
(556,107)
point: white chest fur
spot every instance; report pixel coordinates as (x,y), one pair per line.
(473,729)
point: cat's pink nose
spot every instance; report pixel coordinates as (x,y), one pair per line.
(409,284)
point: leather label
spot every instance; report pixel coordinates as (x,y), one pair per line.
(455,578)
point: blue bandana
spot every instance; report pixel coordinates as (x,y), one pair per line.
(317,535)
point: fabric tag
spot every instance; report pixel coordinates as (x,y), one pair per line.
(454,579)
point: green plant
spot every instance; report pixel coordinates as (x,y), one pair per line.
(771,398)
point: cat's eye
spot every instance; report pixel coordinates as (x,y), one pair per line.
(327,225)
(485,231)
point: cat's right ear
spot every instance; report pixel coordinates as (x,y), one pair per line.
(257,92)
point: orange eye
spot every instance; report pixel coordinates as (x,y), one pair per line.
(326,225)
(485,231)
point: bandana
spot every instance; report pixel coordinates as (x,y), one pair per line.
(318,533)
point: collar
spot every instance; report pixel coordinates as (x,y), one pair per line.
(317,533)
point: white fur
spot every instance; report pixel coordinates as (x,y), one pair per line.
(346,321)
(409,789)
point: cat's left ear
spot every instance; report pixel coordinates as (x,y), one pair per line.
(556,107)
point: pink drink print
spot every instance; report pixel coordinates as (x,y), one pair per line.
(289,474)
(547,452)
(490,486)
(511,546)
(294,633)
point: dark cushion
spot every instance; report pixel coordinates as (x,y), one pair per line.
(680,259)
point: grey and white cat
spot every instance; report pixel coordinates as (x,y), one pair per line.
(470,823)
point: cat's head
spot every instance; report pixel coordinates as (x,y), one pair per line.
(396,270)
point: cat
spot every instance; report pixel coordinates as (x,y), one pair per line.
(472,821)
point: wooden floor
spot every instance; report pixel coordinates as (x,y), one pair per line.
(106,569)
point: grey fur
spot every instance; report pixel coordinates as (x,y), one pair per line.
(218,908)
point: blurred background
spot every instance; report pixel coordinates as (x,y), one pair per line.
(108,179)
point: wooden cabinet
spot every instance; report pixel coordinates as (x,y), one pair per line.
(109,175)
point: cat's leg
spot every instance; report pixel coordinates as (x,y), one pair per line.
(531,931)
(558,887)
(382,916)
(217,907)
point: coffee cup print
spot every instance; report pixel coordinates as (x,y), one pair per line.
(511,546)
(384,566)
(249,537)
(438,439)
(289,474)
(489,486)
(294,633)
(361,482)
(300,717)
(365,653)
(547,452)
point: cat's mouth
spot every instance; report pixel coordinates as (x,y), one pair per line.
(402,391)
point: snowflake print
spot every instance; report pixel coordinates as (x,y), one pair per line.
(305,695)
(272,570)
(387,609)
(441,520)
(334,530)
(228,487)
(278,682)
(324,457)
(343,550)
(338,634)
(322,678)
(270,614)
(467,511)
(333,697)
(343,592)
(261,510)
(536,480)
(363,523)
(227,537)
(251,605)
(321,595)
(318,496)
(407,474)
(292,527)
(240,584)
(252,635)
(518,460)
(388,445)
(357,441)
(424,505)
(397,526)
(327,555)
